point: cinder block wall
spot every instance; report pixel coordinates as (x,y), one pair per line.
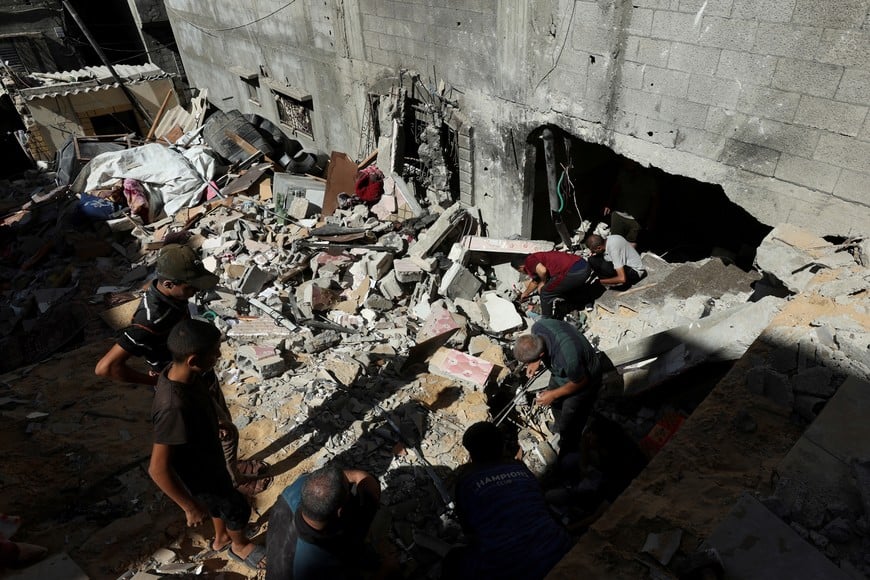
(768,98)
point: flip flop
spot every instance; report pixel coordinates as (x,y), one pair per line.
(251,467)
(254,559)
(254,486)
(221,549)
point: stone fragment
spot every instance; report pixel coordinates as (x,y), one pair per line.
(300,208)
(429,240)
(407,271)
(254,279)
(439,322)
(502,314)
(473,311)
(478,344)
(459,282)
(385,208)
(344,368)
(390,287)
(794,256)
(322,341)
(264,360)
(460,366)
(378,302)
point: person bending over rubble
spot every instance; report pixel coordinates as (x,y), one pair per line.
(180,275)
(553,275)
(575,376)
(187,461)
(615,261)
(318,526)
(501,508)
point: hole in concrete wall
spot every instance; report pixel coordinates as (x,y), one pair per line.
(682,219)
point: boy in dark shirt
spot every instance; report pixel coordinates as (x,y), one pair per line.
(187,461)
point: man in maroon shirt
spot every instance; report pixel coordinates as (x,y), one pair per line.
(553,275)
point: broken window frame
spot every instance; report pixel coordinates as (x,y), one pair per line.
(303,124)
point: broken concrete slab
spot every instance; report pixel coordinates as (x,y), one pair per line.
(254,279)
(502,246)
(501,314)
(746,539)
(794,256)
(265,361)
(390,286)
(429,240)
(460,366)
(260,327)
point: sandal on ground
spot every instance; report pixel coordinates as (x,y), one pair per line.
(254,486)
(251,467)
(222,548)
(254,559)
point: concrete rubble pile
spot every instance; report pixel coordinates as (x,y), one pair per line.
(343,311)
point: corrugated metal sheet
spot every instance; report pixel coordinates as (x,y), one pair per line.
(89,79)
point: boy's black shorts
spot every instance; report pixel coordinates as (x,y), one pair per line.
(230,506)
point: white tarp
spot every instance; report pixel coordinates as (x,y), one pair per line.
(173,180)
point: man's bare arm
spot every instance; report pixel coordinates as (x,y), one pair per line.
(616,280)
(162,474)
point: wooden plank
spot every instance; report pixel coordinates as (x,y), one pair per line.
(160,112)
(340,177)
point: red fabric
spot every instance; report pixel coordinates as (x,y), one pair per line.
(369,185)
(556,263)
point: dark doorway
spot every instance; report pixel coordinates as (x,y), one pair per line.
(683,219)
(119,123)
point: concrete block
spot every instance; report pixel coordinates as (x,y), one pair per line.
(632,75)
(812,174)
(804,76)
(789,40)
(830,115)
(432,237)
(767,102)
(853,185)
(439,322)
(706,7)
(641,102)
(726,32)
(843,151)
(697,142)
(855,87)
(651,51)
(749,157)
(378,264)
(770,10)
(787,250)
(313,294)
(502,314)
(682,112)
(692,58)
(640,22)
(845,47)
(459,282)
(713,91)
(840,14)
(459,366)
(592,39)
(674,26)
(254,279)
(746,67)
(300,208)
(655,131)
(263,360)
(665,81)
(262,327)
(390,287)
(407,271)
(784,137)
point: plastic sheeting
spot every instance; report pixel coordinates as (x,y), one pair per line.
(173,179)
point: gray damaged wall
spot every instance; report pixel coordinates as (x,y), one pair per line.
(768,98)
